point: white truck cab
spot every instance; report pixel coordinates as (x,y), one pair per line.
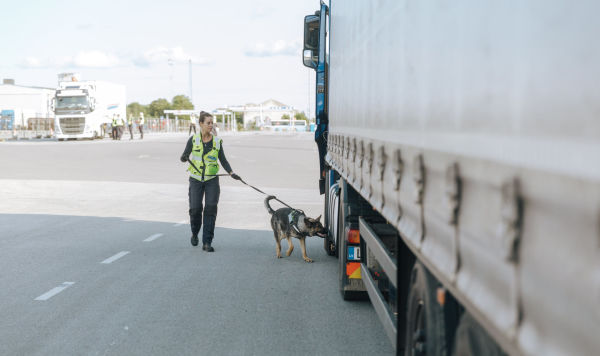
(84,109)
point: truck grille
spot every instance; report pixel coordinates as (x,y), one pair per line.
(72,125)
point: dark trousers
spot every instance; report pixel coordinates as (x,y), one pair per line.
(114,132)
(141,127)
(210,191)
(192,127)
(131,131)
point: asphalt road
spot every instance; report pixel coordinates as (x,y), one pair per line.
(95,257)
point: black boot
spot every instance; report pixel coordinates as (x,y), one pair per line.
(194,241)
(208,248)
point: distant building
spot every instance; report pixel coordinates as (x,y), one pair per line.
(26,102)
(263,113)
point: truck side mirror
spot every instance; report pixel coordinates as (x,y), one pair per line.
(53,104)
(310,54)
(92,104)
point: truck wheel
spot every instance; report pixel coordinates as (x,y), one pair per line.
(471,339)
(429,325)
(329,247)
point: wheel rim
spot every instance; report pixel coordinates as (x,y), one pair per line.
(418,333)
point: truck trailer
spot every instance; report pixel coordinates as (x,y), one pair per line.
(84,109)
(459,153)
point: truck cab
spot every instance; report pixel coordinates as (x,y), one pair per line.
(73,106)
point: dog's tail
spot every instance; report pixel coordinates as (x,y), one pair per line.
(269,209)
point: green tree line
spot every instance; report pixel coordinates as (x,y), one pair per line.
(157,107)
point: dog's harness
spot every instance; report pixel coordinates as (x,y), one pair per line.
(293,220)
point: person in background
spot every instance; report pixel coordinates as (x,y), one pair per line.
(204,151)
(130,126)
(120,126)
(192,124)
(141,125)
(113,127)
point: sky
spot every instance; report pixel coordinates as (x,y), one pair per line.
(241,51)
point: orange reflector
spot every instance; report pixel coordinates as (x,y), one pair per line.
(353,270)
(441,296)
(353,236)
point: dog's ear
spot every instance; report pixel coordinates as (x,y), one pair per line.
(318,219)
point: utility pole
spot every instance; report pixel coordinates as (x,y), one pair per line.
(170,62)
(191,93)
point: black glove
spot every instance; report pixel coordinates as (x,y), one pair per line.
(235,176)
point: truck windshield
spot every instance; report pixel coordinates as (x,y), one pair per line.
(70,103)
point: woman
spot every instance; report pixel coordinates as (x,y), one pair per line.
(204,151)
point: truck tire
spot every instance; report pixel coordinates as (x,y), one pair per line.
(429,325)
(471,339)
(327,244)
(331,243)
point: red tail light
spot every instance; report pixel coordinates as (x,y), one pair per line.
(353,236)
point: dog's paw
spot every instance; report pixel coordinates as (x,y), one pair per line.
(278,256)
(307,260)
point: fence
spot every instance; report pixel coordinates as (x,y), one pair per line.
(34,127)
(286,125)
(171,125)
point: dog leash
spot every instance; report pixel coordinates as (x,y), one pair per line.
(241,180)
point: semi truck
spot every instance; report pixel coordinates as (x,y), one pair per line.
(84,109)
(459,154)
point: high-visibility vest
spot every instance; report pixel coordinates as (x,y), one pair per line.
(141,120)
(120,122)
(206,162)
(114,122)
(130,121)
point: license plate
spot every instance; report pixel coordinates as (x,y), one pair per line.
(353,253)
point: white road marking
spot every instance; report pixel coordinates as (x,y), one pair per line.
(115,257)
(180,223)
(54,291)
(153,237)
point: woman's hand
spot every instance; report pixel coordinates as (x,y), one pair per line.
(235,176)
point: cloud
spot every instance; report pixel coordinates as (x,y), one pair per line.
(32,62)
(83,59)
(101,59)
(165,55)
(94,59)
(278,48)
(84,26)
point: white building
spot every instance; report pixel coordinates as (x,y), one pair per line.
(263,113)
(26,102)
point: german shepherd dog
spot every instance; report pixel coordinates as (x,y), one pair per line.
(288,223)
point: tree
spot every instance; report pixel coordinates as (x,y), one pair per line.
(182,102)
(134,109)
(157,107)
(285,117)
(300,116)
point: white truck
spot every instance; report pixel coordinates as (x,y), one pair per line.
(84,109)
(459,146)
